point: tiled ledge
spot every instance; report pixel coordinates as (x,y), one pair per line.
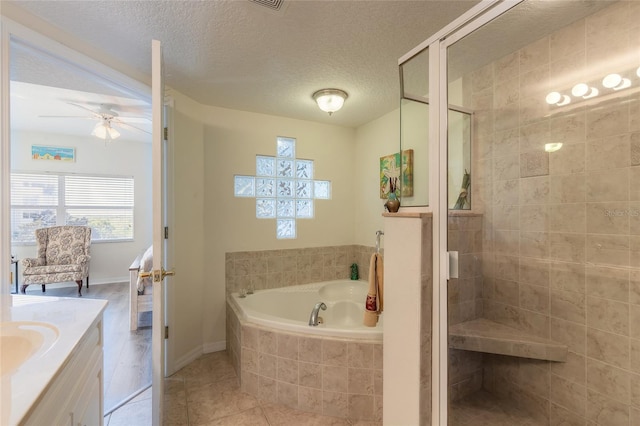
(482,335)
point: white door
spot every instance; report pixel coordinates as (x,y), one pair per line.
(159,221)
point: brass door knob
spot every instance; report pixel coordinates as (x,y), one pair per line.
(168,273)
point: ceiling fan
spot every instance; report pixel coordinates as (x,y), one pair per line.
(107,120)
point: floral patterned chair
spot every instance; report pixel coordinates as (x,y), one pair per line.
(63,255)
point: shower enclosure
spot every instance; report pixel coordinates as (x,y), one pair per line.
(540,324)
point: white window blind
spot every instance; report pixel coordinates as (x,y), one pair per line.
(104,203)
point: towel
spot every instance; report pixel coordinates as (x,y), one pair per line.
(375,295)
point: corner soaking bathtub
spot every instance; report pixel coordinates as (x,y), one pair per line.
(333,369)
(289,309)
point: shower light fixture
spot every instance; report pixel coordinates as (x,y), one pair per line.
(555,98)
(611,81)
(330,100)
(594,92)
(552,147)
(580,89)
(616,82)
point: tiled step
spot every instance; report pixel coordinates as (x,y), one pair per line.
(482,335)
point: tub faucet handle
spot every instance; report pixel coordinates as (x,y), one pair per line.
(313,319)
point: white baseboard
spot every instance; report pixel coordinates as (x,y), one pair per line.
(193,354)
(214,346)
(188,358)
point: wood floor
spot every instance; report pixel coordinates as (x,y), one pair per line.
(127,354)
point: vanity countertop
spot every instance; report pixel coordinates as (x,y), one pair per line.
(22,388)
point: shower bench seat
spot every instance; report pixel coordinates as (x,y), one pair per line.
(483,335)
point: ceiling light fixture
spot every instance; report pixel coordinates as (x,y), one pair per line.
(103,130)
(330,100)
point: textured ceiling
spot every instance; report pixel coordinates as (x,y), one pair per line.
(241,55)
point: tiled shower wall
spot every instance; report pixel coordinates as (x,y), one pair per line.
(562,230)
(282,268)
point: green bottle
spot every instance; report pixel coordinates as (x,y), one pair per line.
(354,271)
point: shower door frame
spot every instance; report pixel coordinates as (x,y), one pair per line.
(438,45)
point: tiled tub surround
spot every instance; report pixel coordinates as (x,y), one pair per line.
(554,262)
(323,375)
(282,268)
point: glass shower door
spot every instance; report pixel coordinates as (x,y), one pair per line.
(543,313)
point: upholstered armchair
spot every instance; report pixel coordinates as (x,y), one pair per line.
(63,255)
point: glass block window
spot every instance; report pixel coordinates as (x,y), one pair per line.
(244,186)
(265,166)
(265,187)
(304,169)
(286,147)
(283,187)
(304,188)
(286,228)
(265,208)
(322,189)
(285,168)
(304,209)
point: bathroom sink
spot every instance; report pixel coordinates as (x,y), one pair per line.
(23,340)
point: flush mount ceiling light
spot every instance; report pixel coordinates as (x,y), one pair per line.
(330,100)
(103,130)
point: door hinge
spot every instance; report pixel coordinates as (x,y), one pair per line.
(166,232)
(166,133)
(166,331)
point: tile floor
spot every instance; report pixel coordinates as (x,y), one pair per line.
(207,393)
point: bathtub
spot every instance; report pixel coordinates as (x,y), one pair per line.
(333,369)
(289,308)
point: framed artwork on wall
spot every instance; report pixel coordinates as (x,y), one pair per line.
(396,174)
(53,153)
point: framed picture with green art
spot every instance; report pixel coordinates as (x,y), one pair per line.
(396,174)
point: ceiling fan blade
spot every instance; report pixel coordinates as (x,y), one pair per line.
(133,119)
(117,122)
(94,113)
(67,116)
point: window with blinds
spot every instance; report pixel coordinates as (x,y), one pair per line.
(40,200)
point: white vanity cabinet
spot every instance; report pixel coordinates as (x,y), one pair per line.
(75,395)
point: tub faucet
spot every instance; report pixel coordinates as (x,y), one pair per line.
(313,319)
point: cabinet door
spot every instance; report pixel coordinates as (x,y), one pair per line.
(88,412)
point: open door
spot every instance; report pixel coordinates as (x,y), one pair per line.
(159,221)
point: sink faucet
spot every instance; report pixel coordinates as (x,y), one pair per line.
(313,319)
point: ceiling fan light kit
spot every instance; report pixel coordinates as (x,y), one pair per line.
(107,119)
(103,130)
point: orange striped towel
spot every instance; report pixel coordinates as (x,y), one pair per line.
(375,295)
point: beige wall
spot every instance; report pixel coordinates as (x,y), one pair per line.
(373,140)
(232,139)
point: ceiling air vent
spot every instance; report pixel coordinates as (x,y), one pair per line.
(271,4)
